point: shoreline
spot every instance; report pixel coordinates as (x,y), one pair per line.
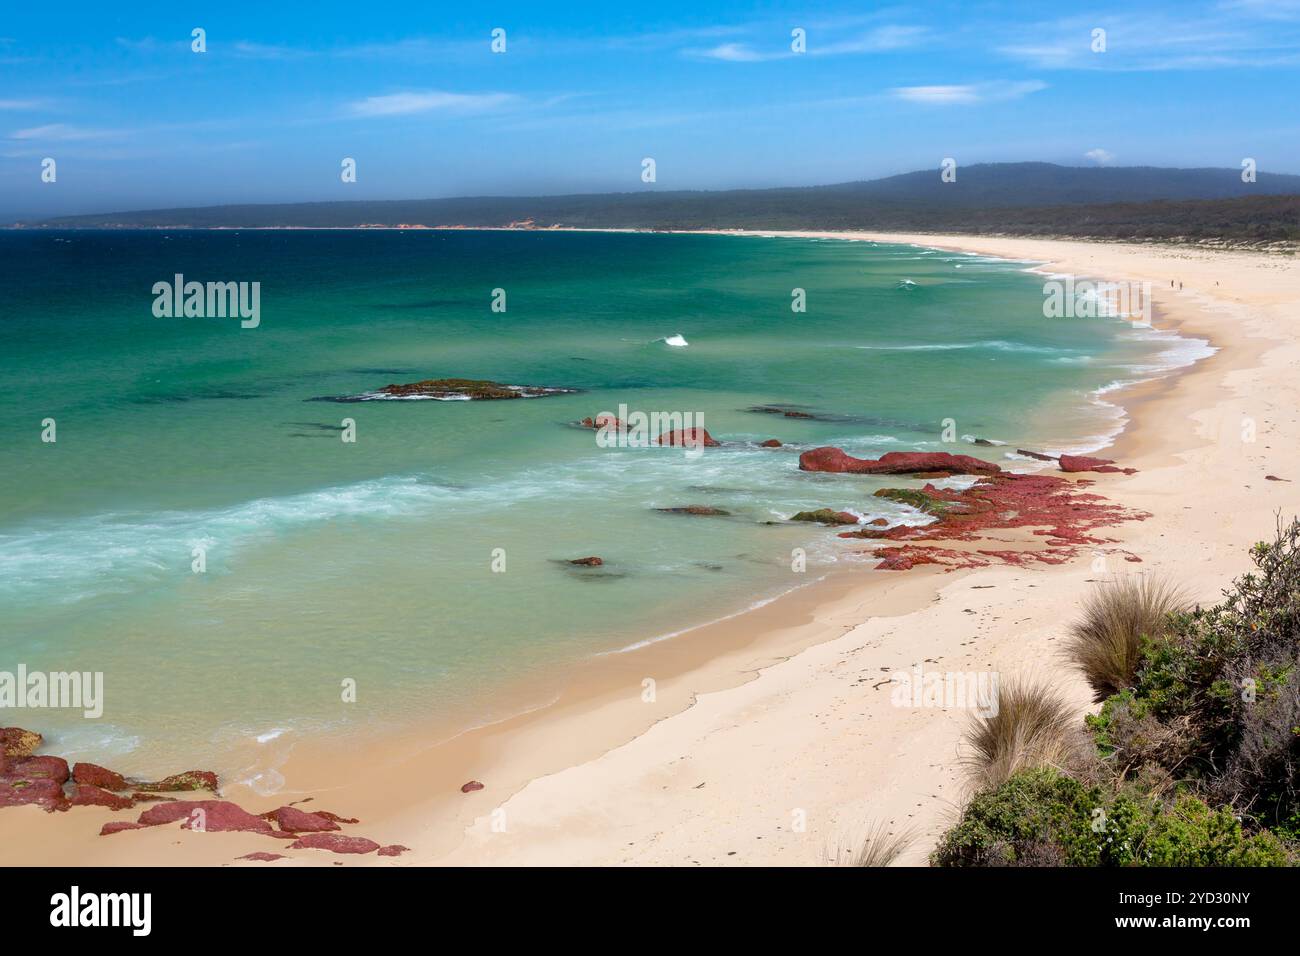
(603,725)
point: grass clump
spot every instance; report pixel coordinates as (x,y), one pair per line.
(1106,642)
(1033,726)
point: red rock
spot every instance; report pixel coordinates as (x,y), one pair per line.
(335,843)
(335,817)
(40,768)
(608,422)
(89,795)
(1076,463)
(189,780)
(117,826)
(97,776)
(218,816)
(16,742)
(835,460)
(395,850)
(689,437)
(770,443)
(293,820)
(879,522)
(17,792)
(471,787)
(262,856)
(591,562)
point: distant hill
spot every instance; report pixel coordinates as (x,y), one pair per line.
(1031,198)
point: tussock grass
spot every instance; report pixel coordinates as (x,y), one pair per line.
(877,847)
(1034,727)
(1105,644)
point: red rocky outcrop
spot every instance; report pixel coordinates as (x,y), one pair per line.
(835,460)
(97,776)
(689,437)
(1076,463)
(293,820)
(335,843)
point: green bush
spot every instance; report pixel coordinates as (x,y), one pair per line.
(1045,818)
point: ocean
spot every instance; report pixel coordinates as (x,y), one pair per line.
(202,535)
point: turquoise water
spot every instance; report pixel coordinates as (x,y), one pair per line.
(373,560)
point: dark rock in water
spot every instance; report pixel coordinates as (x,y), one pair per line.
(16,742)
(826,516)
(608,422)
(894,463)
(94,775)
(189,780)
(471,787)
(930,504)
(695,510)
(770,443)
(1036,455)
(689,437)
(451,389)
(589,562)
(783,410)
(981,441)
(473,389)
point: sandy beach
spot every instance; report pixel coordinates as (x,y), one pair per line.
(771,737)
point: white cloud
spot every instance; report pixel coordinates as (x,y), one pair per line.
(58,132)
(734,53)
(1102,157)
(426,101)
(968,94)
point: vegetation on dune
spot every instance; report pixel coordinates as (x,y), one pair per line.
(1194,757)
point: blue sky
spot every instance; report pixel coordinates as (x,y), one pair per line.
(713,92)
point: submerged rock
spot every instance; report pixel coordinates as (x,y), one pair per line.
(589,562)
(689,437)
(770,443)
(919,500)
(835,460)
(1035,454)
(451,390)
(826,516)
(695,510)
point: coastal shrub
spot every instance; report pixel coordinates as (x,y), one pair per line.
(1216,697)
(1033,727)
(1043,817)
(1106,642)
